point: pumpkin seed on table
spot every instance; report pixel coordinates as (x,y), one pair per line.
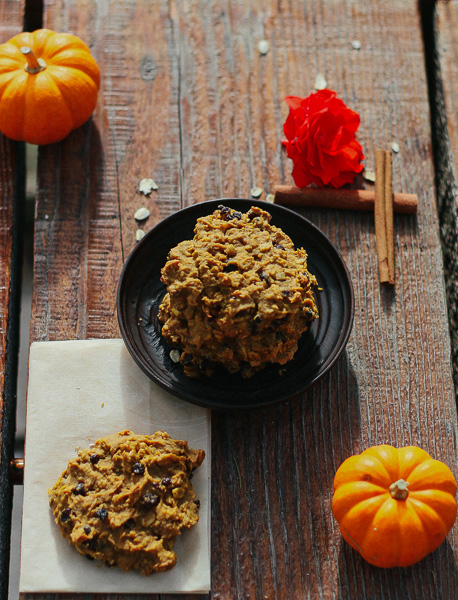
(263,46)
(147,185)
(139,234)
(369,175)
(320,82)
(141,214)
(256,192)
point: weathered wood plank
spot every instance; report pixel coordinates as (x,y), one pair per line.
(88,184)
(445,127)
(447,29)
(11,201)
(209,124)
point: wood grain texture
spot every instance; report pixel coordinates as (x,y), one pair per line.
(447,28)
(209,124)
(88,184)
(11,202)
(444,83)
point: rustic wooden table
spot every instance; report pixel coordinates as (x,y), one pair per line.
(12,176)
(444,78)
(188,99)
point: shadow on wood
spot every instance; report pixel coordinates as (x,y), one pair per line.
(359,579)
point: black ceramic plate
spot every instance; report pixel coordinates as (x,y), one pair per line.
(140,292)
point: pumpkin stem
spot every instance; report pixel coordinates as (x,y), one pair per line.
(33,64)
(399,489)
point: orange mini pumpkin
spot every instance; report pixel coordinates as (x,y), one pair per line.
(48,86)
(394,506)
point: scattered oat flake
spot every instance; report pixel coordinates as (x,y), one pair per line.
(146,186)
(320,82)
(141,214)
(256,192)
(270,198)
(175,355)
(395,147)
(139,234)
(263,46)
(356,44)
(369,175)
(91,446)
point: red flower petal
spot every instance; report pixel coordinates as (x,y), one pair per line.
(301,177)
(289,128)
(294,102)
(320,132)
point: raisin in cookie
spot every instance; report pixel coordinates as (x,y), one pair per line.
(238,294)
(126,500)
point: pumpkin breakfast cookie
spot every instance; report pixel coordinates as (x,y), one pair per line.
(126,500)
(238,294)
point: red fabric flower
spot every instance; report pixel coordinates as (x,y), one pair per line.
(320,132)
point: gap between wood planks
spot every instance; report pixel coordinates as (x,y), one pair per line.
(446,185)
(18,332)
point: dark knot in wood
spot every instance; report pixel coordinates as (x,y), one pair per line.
(148,68)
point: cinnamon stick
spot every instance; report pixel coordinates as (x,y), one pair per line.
(389,215)
(380,217)
(346,199)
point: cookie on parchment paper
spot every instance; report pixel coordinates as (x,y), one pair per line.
(127,499)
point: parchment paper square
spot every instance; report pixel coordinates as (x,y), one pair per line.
(79,391)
